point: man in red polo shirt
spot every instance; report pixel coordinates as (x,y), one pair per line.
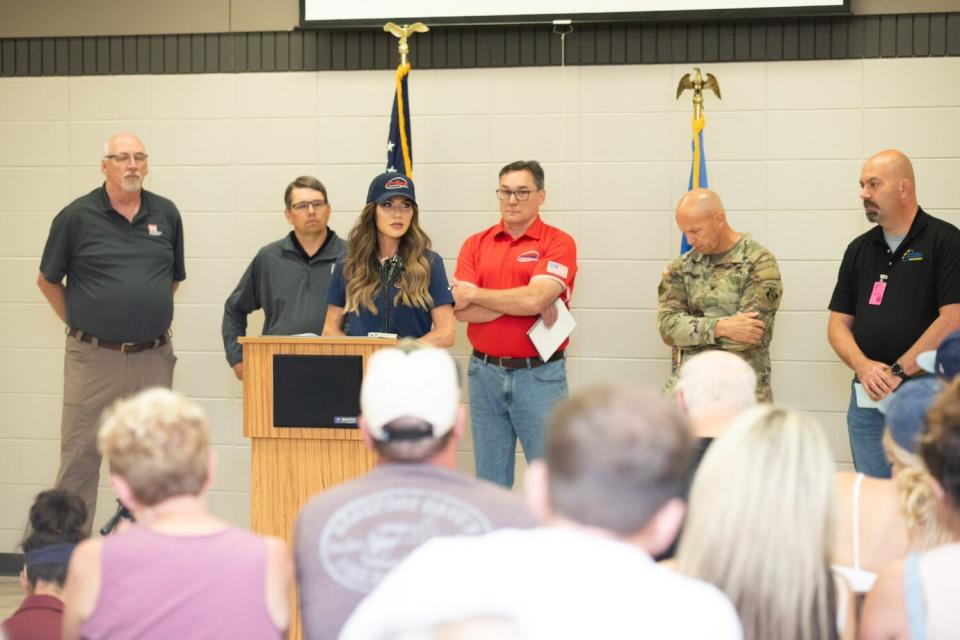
(507,276)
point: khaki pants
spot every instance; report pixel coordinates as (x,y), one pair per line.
(92,379)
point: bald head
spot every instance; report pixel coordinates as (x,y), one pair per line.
(699,203)
(888,190)
(123,139)
(701,217)
(895,162)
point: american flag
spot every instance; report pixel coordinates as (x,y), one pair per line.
(399,142)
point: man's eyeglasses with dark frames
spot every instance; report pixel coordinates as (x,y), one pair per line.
(124,158)
(301,207)
(521,195)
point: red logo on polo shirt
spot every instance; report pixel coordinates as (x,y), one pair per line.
(529,256)
(396,183)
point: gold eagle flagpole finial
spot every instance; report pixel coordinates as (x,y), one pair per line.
(402,32)
(698,84)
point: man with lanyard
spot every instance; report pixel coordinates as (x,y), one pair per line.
(120,248)
(288,278)
(897,295)
(506,277)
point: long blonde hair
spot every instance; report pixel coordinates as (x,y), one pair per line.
(361,267)
(925,528)
(761,524)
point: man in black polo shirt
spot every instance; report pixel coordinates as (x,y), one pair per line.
(288,278)
(897,295)
(120,248)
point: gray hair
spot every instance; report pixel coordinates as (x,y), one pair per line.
(717,380)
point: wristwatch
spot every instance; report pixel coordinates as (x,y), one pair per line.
(897,370)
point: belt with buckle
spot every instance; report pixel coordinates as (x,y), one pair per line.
(517,363)
(122,347)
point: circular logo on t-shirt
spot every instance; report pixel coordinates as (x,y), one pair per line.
(365,538)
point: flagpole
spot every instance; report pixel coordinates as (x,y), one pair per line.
(698,164)
(698,177)
(402,33)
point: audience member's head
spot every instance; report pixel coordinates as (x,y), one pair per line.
(905,413)
(940,450)
(713,388)
(409,403)
(56,526)
(158,444)
(761,523)
(945,360)
(616,459)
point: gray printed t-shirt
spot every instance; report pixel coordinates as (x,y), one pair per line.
(349,537)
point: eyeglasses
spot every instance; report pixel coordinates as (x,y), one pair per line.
(124,158)
(301,207)
(521,195)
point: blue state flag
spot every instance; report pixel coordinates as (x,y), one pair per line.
(698,169)
(399,142)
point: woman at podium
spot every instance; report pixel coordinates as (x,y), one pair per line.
(390,282)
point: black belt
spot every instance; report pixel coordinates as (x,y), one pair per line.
(517,363)
(123,347)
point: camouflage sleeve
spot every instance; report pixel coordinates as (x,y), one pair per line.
(761,294)
(676,325)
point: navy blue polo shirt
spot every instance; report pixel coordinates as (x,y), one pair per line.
(406,322)
(921,276)
(120,274)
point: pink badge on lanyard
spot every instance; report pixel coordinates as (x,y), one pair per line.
(876,296)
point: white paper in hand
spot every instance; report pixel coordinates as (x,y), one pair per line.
(864,401)
(547,341)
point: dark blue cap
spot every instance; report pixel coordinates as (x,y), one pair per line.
(387,185)
(905,410)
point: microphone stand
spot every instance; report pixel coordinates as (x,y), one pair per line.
(122,513)
(385,286)
(391,271)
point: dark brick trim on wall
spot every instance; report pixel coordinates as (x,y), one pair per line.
(832,38)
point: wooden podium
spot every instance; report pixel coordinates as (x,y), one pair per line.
(289,465)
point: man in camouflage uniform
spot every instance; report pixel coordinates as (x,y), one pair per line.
(723,293)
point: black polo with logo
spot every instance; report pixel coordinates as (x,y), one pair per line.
(921,276)
(119,274)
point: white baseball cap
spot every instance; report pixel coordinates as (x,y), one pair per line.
(421,383)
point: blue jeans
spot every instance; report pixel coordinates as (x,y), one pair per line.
(865,428)
(506,404)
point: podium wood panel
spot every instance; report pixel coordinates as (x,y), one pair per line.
(289,465)
(285,473)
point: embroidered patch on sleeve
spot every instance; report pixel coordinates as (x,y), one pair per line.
(557,269)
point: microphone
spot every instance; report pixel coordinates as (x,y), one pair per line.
(122,513)
(392,270)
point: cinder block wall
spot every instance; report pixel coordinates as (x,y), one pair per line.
(784,150)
